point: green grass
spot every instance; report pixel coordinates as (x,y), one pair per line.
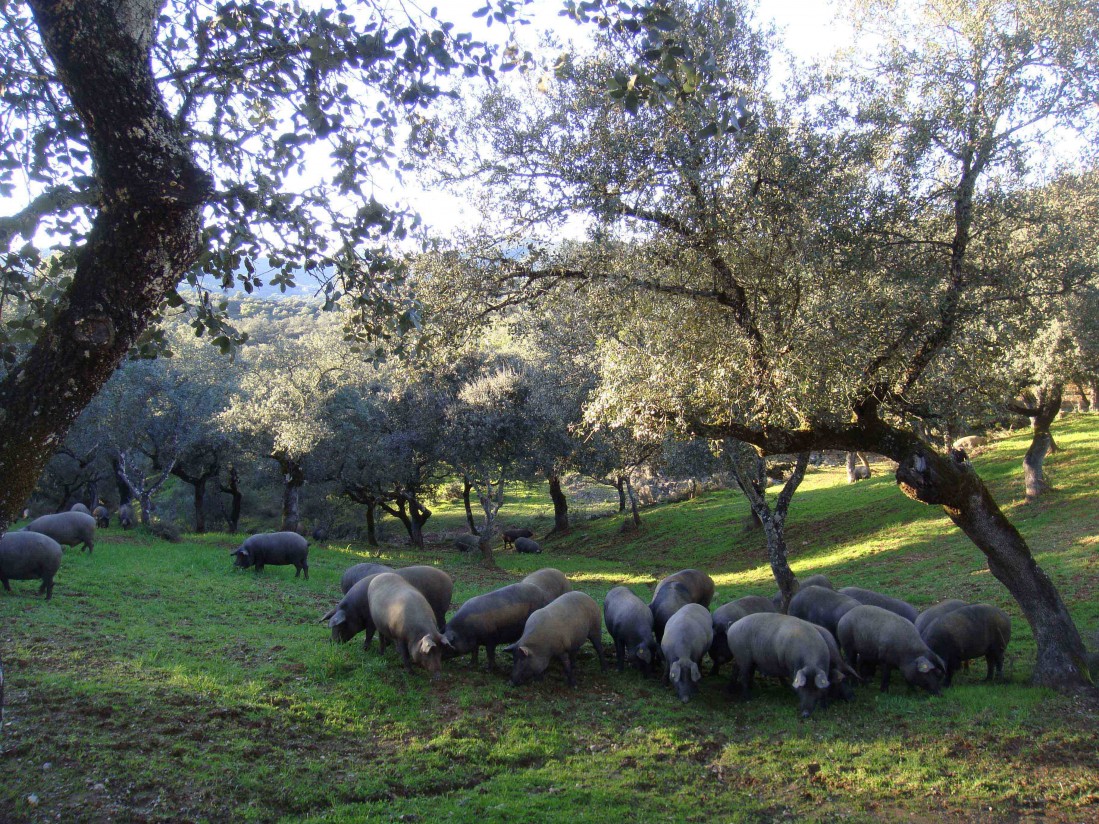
(160,685)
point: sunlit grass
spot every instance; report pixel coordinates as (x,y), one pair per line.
(186,690)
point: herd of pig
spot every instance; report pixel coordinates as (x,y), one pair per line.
(542,618)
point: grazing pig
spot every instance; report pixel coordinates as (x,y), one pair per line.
(688,586)
(557,630)
(872,635)
(527,545)
(687,637)
(495,618)
(275,548)
(969,632)
(841,675)
(352,615)
(67,528)
(727,615)
(782,646)
(402,615)
(511,534)
(467,543)
(25,556)
(551,581)
(352,575)
(822,607)
(931,614)
(877,599)
(79,507)
(816,580)
(630,623)
(102,516)
(125,516)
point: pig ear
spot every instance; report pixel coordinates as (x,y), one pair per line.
(923,665)
(328,615)
(427,644)
(445,641)
(799,679)
(643,654)
(821,680)
(339,618)
(673,671)
(696,674)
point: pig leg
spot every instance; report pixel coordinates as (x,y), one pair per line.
(490,653)
(305,569)
(381,643)
(597,642)
(259,568)
(620,653)
(885,670)
(368,636)
(473,658)
(402,650)
(568,659)
(7,586)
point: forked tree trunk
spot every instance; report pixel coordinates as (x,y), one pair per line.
(951,483)
(1084,403)
(620,485)
(635,515)
(744,464)
(560,506)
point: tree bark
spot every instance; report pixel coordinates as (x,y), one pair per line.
(145,235)
(620,485)
(233,489)
(560,506)
(634,522)
(371,524)
(953,484)
(197,481)
(1043,414)
(1084,404)
(293,476)
(745,470)
(466,487)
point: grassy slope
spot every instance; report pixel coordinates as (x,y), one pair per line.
(160,685)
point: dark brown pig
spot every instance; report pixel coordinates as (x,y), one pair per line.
(877,599)
(973,631)
(495,618)
(352,615)
(872,635)
(352,575)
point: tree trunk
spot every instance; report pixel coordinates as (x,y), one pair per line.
(1084,403)
(1044,412)
(147,507)
(145,235)
(371,525)
(855,472)
(400,512)
(200,506)
(416,521)
(126,492)
(635,517)
(744,463)
(293,476)
(560,506)
(467,486)
(1093,394)
(951,483)
(620,485)
(233,489)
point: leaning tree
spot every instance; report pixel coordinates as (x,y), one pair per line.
(149,140)
(815,260)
